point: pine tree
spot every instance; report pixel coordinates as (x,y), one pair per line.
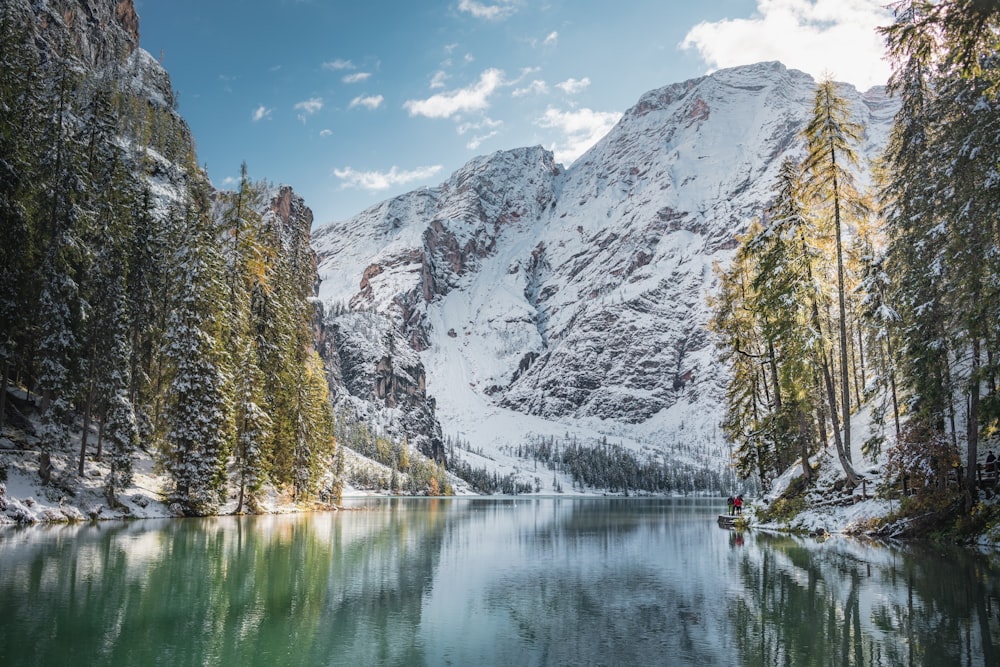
(970,208)
(120,424)
(198,398)
(766,318)
(735,328)
(252,429)
(830,140)
(314,443)
(109,198)
(783,287)
(942,213)
(59,306)
(20,111)
(246,278)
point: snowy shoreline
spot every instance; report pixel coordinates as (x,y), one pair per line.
(70,498)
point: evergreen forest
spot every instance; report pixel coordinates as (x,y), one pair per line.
(139,307)
(847,298)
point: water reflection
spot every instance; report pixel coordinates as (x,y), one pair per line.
(486,582)
(851,603)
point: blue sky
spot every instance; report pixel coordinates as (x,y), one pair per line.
(355,102)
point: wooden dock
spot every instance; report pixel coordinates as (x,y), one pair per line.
(728,520)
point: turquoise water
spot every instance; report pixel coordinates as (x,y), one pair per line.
(486,581)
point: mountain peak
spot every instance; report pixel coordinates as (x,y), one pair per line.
(550,300)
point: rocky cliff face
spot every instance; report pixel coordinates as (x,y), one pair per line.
(100,32)
(376,375)
(551,300)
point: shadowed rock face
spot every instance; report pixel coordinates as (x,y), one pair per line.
(373,371)
(100,39)
(99,32)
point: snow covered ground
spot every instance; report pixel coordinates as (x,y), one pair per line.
(828,515)
(25,500)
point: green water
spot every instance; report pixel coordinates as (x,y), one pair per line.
(537,581)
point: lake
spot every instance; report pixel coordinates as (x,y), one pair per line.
(487,581)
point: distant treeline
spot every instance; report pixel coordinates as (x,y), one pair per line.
(399,469)
(617,469)
(599,467)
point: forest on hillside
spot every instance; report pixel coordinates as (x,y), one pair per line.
(139,307)
(842,296)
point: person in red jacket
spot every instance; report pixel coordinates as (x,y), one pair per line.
(738,503)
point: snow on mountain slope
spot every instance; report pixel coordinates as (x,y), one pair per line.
(547,301)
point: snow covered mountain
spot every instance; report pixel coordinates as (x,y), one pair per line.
(547,301)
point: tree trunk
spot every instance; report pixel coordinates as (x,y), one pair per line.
(239,504)
(845,462)
(972,427)
(845,384)
(859,368)
(3,392)
(86,422)
(100,435)
(804,443)
(774,375)
(83,436)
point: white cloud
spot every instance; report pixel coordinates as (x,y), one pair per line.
(485,123)
(325,132)
(475,142)
(573,86)
(536,87)
(261,113)
(472,98)
(551,39)
(437,81)
(817,36)
(357,78)
(338,64)
(374,181)
(310,106)
(490,12)
(369,101)
(581,129)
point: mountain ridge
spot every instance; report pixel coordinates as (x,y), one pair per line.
(574,299)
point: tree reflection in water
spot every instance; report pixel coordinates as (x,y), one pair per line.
(487,581)
(845,602)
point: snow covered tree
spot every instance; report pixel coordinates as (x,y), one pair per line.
(246,276)
(786,298)
(60,308)
(942,211)
(737,337)
(252,430)
(20,112)
(314,442)
(198,399)
(122,434)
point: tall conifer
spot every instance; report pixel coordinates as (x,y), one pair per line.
(830,140)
